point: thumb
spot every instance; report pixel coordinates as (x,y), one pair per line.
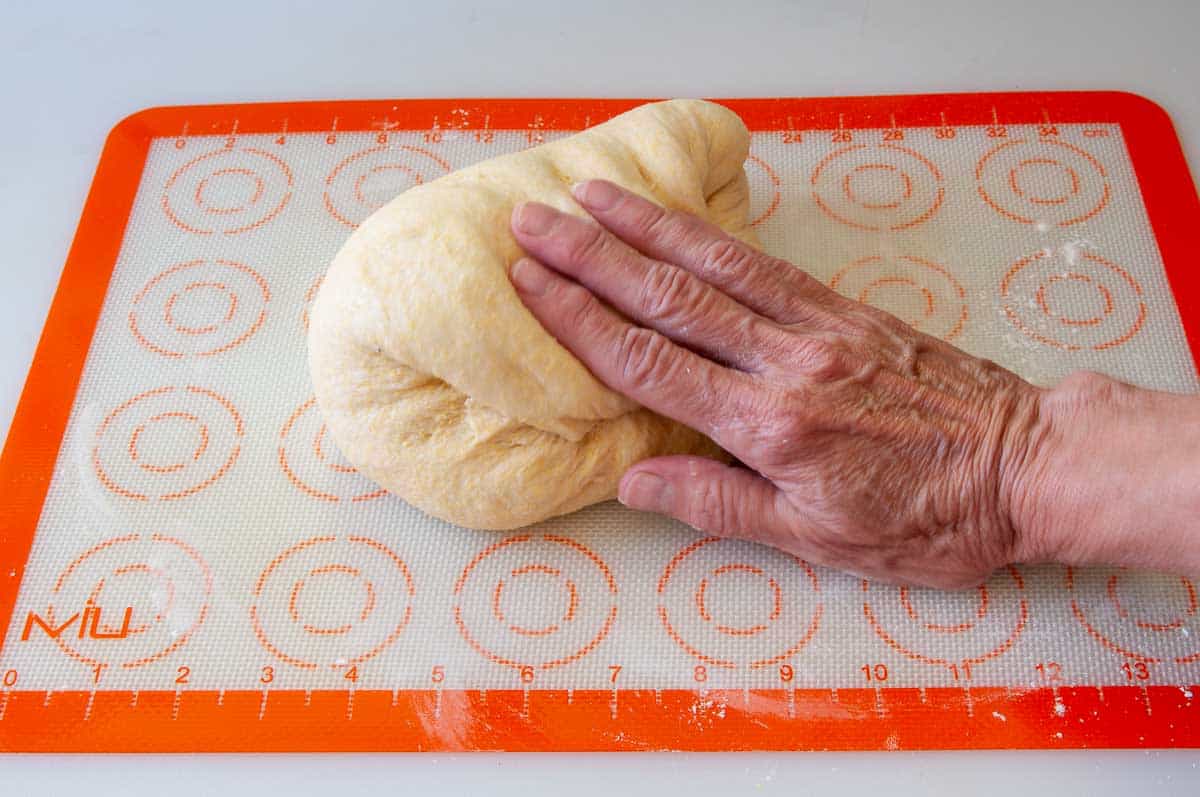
(706,494)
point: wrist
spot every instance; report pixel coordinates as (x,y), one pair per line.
(1110,475)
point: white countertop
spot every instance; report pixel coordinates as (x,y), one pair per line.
(69,74)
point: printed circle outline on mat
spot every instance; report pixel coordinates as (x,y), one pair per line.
(167,443)
(352,187)
(535,600)
(312,463)
(1033,290)
(324,631)
(699,584)
(988,630)
(776,185)
(878,187)
(172,314)
(309,296)
(102,595)
(944,302)
(230,190)
(1043,182)
(1124,627)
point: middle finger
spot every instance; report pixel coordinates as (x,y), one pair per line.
(659,295)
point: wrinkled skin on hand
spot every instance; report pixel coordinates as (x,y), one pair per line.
(862,443)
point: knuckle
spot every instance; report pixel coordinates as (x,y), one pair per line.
(798,282)
(666,292)
(789,427)
(785,423)
(578,306)
(711,509)
(762,430)
(588,243)
(662,224)
(756,338)
(726,255)
(644,357)
(819,360)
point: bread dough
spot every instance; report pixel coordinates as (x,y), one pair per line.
(434,379)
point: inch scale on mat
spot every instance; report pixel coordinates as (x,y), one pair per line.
(865,169)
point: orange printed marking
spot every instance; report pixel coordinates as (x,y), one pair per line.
(547,569)
(168,310)
(141,567)
(1014,182)
(1000,649)
(683,643)
(496,594)
(544,632)
(848,186)
(679,557)
(253,326)
(358,194)
(1091,321)
(319,450)
(90,552)
(409,586)
(309,295)
(776,196)
(847,189)
(805,638)
(939,628)
(1125,276)
(700,605)
(108,481)
(201,444)
(891,280)
(550,664)
(485,553)
(288,470)
(885,282)
(568,615)
(370,602)
(1173,625)
(738,567)
(583,549)
(294,598)
(259,188)
(178,641)
(702,608)
(350,160)
(1014,186)
(201,205)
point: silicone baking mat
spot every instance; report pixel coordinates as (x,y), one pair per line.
(187,563)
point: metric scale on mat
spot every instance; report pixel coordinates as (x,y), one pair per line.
(187,562)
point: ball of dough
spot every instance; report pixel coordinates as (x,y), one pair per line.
(434,379)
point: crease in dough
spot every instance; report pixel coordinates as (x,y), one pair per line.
(434,379)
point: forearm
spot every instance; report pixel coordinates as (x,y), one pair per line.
(1113,477)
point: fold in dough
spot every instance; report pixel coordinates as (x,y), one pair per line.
(434,379)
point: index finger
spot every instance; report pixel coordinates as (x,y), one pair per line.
(769,286)
(637,362)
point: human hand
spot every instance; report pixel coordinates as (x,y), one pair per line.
(866,445)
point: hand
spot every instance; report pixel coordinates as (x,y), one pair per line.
(865,444)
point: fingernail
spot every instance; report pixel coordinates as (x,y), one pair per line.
(530,277)
(534,218)
(647,491)
(596,194)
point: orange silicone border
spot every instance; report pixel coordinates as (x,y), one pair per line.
(471,720)
(944,718)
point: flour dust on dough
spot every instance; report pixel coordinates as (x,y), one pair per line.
(434,379)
